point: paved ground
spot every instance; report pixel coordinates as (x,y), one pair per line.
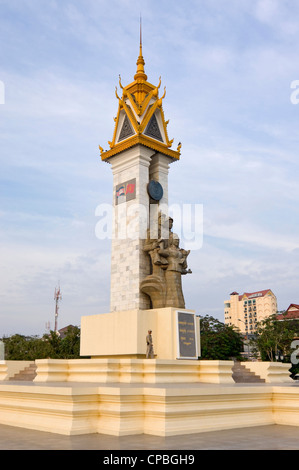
(273,437)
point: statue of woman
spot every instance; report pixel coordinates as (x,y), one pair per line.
(154,285)
(177,265)
(168,264)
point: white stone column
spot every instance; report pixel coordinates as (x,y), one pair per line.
(129,264)
(158,171)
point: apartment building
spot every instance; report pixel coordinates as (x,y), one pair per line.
(246,310)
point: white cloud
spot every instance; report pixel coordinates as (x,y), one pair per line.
(248,232)
(47,95)
(267,10)
(28,279)
(279,14)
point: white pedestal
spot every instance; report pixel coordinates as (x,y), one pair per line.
(123,334)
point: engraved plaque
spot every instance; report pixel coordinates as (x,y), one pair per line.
(155,190)
(187,337)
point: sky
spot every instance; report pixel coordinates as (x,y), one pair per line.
(230,68)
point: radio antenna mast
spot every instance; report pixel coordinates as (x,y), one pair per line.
(57,298)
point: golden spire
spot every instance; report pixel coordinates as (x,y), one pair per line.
(140,74)
(138,111)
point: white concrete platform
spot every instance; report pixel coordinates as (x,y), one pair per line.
(153,409)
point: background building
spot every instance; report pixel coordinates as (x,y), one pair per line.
(246,310)
(291,313)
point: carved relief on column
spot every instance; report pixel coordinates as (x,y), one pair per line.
(168,264)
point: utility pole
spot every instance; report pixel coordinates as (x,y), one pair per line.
(57,298)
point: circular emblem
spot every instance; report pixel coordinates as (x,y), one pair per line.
(155,190)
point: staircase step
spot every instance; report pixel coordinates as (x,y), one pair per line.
(27,374)
(242,375)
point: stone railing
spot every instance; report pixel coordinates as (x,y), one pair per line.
(143,371)
(133,371)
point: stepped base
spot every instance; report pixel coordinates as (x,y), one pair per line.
(132,371)
(154,409)
(163,398)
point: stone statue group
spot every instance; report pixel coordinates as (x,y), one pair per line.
(168,264)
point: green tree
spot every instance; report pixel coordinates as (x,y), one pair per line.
(24,348)
(274,337)
(53,340)
(28,348)
(219,341)
(70,344)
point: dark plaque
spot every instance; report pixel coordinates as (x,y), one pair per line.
(155,190)
(187,347)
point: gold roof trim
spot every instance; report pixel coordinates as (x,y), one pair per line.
(140,139)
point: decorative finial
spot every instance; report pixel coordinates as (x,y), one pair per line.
(140,74)
(140,33)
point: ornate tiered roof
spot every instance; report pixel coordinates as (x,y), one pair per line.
(140,117)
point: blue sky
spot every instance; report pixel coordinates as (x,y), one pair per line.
(227,66)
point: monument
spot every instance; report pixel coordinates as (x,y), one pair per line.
(147,262)
(143,376)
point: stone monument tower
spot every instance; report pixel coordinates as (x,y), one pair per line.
(140,154)
(147,262)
